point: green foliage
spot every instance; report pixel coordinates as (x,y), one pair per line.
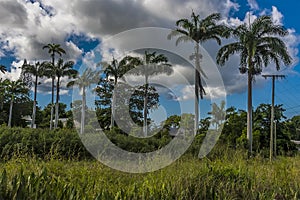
(43,116)
(135,105)
(17,93)
(45,144)
(234,132)
(37,185)
(235,124)
(134,144)
(293,127)
(226,176)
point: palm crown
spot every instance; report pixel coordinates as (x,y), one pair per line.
(199,30)
(258,46)
(154,64)
(54,49)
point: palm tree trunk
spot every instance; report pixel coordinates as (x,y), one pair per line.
(34,103)
(197,81)
(113,99)
(83,111)
(52,93)
(57,103)
(52,101)
(10,111)
(1,101)
(249,114)
(196,102)
(145,107)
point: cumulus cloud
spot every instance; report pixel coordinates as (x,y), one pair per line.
(15,72)
(28,25)
(253,4)
(276,16)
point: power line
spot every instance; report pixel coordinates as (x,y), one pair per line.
(291,95)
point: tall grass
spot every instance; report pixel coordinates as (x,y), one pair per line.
(226,177)
(36,164)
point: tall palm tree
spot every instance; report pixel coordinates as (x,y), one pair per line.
(62,69)
(84,81)
(116,69)
(154,64)
(199,31)
(52,50)
(37,70)
(258,45)
(3,69)
(13,89)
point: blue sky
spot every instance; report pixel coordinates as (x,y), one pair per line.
(82,26)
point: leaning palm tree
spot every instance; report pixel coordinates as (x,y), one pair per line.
(116,69)
(52,50)
(37,70)
(61,70)
(258,45)
(153,64)
(13,89)
(3,69)
(199,31)
(84,81)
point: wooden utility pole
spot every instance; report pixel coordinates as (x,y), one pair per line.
(272,110)
(275,138)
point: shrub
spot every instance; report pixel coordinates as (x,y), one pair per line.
(41,143)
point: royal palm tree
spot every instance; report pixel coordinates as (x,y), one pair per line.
(52,50)
(153,64)
(258,44)
(3,69)
(199,31)
(37,70)
(61,70)
(13,89)
(116,69)
(84,81)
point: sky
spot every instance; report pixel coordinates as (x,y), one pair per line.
(93,30)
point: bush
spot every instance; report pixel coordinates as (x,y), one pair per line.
(41,143)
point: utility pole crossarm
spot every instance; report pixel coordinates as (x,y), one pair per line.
(274,76)
(272,112)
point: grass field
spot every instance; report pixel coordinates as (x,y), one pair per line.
(227,176)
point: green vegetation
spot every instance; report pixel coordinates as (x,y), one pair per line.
(258,44)
(42,144)
(225,174)
(53,164)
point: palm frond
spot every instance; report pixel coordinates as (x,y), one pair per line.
(3,69)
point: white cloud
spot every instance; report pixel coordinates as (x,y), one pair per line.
(29,28)
(45,86)
(276,16)
(229,5)
(292,41)
(26,27)
(187,93)
(15,72)
(253,4)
